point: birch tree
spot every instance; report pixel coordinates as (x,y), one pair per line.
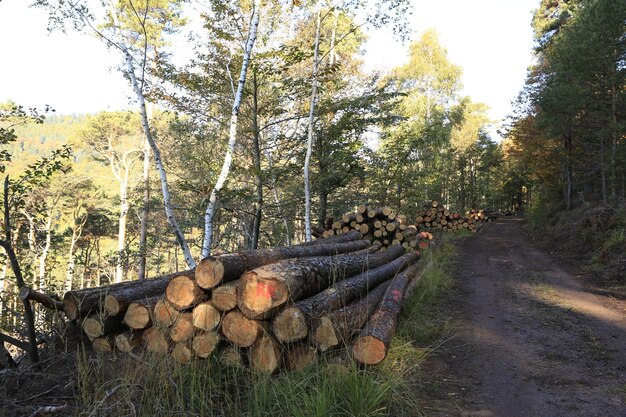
(232,136)
(132,27)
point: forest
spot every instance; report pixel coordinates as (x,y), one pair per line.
(273,126)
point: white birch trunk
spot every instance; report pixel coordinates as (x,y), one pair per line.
(71,264)
(44,252)
(121,231)
(232,137)
(143,234)
(167,202)
(309,145)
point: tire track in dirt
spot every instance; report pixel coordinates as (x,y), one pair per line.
(532,340)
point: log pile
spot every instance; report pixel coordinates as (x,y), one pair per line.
(381,225)
(266,308)
(436,216)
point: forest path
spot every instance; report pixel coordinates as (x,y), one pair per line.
(532,339)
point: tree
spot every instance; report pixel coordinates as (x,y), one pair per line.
(115,139)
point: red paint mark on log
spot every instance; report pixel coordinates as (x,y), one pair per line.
(265,290)
(395,294)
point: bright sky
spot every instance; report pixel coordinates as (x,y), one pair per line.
(490,39)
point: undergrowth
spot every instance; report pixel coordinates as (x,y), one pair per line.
(145,385)
(593,237)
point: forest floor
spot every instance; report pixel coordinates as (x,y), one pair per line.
(531,339)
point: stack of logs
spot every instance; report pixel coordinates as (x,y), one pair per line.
(381,225)
(265,307)
(436,216)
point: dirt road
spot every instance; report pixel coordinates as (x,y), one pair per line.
(532,339)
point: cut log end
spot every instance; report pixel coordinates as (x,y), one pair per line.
(290,325)
(231,356)
(111,305)
(258,295)
(205,343)
(164,314)
(183,329)
(240,330)
(324,334)
(127,341)
(156,341)
(209,272)
(368,350)
(265,354)
(70,308)
(182,292)
(102,345)
(299,357)
(137,316)
(93,327)
(206,316)
(181,353)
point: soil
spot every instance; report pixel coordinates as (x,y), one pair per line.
(532,338)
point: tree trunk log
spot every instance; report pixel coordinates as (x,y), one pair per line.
(183,293)
(213,270)
(81,303)
(264,289)
(205,343)
(339,326)
(240,330)
(206,317)
(291,324)
(373,342)
(224,297)
(139,313)
(265,354)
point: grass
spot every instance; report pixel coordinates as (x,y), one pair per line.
(145,385)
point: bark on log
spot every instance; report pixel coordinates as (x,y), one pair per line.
(213,270)
(241,330)
(183,292)
(117,302)
(265,354)
(339,326)
(164,314)
(224,297)
(300,356)
(206,317)
(183,329)
(127,341)
(292,324)
(139,313)
(96,326)
(182,353)
(156,341)
(264,289)
(81,303)
(204,344)
(373,342)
